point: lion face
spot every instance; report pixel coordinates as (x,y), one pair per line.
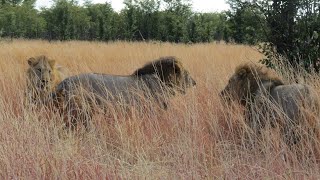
(237,88)
(182,81)
(41,72)
(186,81)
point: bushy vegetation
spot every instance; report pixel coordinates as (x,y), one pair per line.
(160,20)
(290,29)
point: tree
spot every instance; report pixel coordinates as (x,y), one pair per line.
(11,2)
(66,20)
(247,22)
(207,27)
(20,19)
(129,14)
(294,32)
(176,16)
(292,29)
(100,21)
(148,18)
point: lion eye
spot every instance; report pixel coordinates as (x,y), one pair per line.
(39,70)
(49,71)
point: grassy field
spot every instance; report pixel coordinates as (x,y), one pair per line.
(196,138)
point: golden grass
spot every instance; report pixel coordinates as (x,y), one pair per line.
(197,138)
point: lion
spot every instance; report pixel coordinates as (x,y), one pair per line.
(267,98)
(77,96)
(43,75)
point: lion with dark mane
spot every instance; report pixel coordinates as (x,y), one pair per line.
(267,98)
(78,96)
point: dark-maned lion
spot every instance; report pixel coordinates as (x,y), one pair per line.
(267,98)
(78,96)
(42,77)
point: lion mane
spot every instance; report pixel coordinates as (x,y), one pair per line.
(165,68)
(170,71)
(248,80)
(267,98)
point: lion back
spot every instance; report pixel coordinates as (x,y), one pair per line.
(295,98)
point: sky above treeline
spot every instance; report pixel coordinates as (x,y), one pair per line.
(198,5)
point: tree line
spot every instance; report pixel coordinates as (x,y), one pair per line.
(160,20)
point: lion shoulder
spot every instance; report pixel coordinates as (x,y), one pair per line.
(60,74)
(296,92)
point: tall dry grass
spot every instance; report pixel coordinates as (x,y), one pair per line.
(196,138)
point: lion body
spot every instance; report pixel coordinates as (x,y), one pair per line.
(101,88)
(43,75)
(267,98)
(79,95)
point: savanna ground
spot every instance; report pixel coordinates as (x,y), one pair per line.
(197,137)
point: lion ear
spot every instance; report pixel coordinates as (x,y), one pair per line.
(177,70)
(52,63)
(242,73)
(31,61)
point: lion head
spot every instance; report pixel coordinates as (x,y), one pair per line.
(170,71)
(247,80)
(41,73)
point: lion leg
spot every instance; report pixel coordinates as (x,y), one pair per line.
(71,119)
(85,117)
(66,108)
(79,113)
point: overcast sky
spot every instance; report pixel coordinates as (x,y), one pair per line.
(198,5)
